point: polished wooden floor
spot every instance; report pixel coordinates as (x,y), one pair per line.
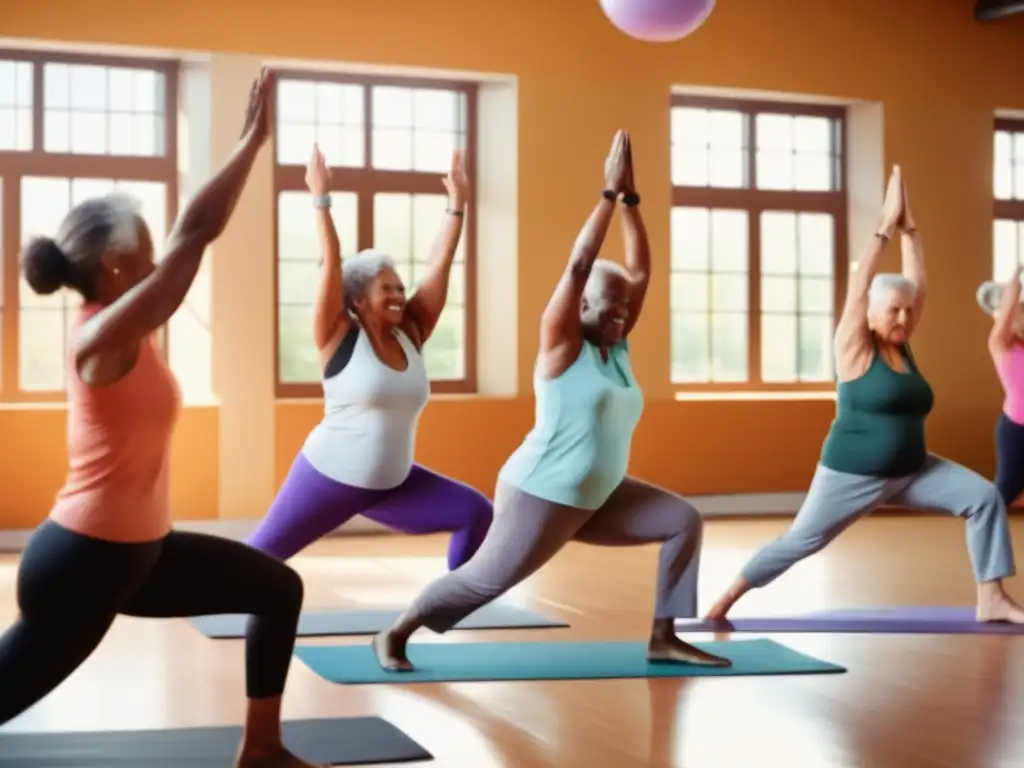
(907,701)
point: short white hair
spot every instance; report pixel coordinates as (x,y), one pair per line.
(358,271)
(885,283)
(990,295)
(600,271)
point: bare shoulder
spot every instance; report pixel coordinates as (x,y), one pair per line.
(853,357)
(554,362)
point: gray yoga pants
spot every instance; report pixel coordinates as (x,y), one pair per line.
(528,531)
(837,499)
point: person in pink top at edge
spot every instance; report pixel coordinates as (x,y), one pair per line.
(107,547)
(1006,346)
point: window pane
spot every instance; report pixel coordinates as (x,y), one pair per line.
(778,348)
(729,292)
(689,292)
(691,127)
(330,114)
(393,225)
(778,294)
(774,170)
(444,353)
(296,352)
(778,243)
(437,110)
(816,232)
(392,107)
(729,346)
(1005,258)
(726,168)
(297,281)
(813,172)
(297,238)
(392,149)
(296,101)
(690,243)
(432,151)
(341,145)
(691,351)
(690,167)
(295,144)
(775,132)
(41,348)
(1018,180)
(97,110)
(1003,166)
(816,295)
(816,348)
(726,130)
(729,241)
(15,106)
(813,134)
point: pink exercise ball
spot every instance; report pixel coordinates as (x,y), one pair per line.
(657,21)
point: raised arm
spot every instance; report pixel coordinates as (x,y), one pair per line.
(150,304)
(1001,336)
(560,326)
(912,256)
(427,303)
(637,245)
(330,321)
(852,329)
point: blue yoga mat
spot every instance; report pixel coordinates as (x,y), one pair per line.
(464,662)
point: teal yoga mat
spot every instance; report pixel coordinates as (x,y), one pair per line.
(464,662)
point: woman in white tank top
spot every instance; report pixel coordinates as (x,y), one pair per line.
(359,459)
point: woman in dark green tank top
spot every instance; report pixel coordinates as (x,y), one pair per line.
(875,451)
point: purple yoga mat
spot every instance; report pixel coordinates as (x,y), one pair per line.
(907,621)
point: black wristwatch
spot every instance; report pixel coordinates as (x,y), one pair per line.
(608,195)
(630,199)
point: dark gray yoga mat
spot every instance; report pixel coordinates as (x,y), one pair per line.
(341,741)
(358,622)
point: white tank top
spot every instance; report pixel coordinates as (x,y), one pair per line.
(368,434)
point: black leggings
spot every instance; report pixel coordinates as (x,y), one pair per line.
(71,587)
(1009,459)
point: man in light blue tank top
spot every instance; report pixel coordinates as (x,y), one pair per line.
(568,481)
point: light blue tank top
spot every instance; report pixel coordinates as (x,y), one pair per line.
(578,450)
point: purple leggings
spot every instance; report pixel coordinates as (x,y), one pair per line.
(310,505)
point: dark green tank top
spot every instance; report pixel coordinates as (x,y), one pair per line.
(879,425)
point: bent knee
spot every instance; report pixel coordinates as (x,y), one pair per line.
(686,518)
(289,588)
(481,510)
(991,501)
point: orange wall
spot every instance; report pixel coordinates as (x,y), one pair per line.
(939,75)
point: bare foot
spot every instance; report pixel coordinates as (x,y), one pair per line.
(390,653)
(674,651)
(996,605)
(280,759)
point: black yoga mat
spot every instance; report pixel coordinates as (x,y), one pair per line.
(358,622)
(341,741)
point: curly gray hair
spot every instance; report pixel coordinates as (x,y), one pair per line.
(885,283)
(360,270)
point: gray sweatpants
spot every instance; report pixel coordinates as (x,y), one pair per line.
(837,499)
(527,532)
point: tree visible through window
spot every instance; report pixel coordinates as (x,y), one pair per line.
(103,124)
(757,260)
(389,143)
(1008,190)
